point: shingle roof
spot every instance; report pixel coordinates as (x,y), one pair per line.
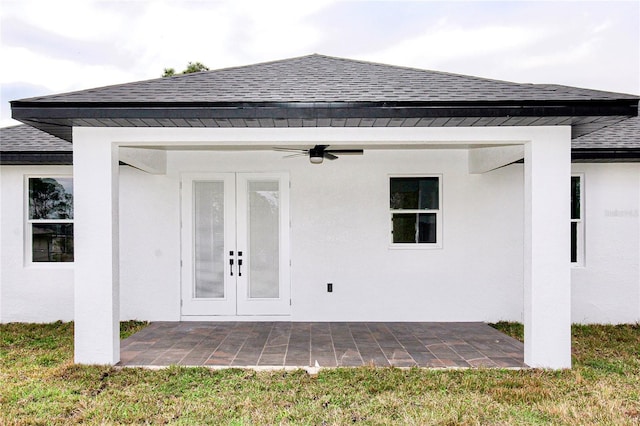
(24,144)
(623,135)
(323,91)
(23,138)
(319,78)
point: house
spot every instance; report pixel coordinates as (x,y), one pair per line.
(323,189)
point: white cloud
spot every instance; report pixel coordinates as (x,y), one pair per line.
(64,74)
(114,41)
(74,19)
(446,43)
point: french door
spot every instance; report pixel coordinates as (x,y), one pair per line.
(235,244)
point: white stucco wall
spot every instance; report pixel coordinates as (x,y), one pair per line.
(28,292)
(339,213)
(340,234)
(607,288)
(149,246)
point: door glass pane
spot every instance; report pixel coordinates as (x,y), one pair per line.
(264,239)
(209,239)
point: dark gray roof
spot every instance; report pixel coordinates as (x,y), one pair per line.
(24,144)
(323,91)
(319,78)
(27,138)
(625,134)
(619,142)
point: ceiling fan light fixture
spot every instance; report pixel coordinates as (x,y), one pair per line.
(316,159)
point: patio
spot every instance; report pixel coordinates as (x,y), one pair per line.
(321,344)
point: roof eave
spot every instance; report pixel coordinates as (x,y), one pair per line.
(605,155)
(22,110)
(22,158)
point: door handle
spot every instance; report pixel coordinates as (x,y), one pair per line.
(239,263)
(231,263)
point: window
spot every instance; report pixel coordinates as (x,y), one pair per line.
(50,219)
(415,204)
(577,220)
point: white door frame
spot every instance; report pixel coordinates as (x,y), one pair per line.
(235,302)
(263,306)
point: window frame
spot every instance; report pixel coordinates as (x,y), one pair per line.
(28,224)
(438,212)
(580,226)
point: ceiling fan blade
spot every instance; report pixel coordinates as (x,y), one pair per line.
(329,156)
(304,151)
(346,151)
(299,154)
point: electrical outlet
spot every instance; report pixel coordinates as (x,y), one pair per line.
(329,287)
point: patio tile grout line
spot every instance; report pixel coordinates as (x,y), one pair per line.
(244,342)
(399,343)
(426,347)
(355,343)
(286,351)
(188,352)
(379,347)
(161,354)
(311,364)
(265,344)
(335,352)
(217,347)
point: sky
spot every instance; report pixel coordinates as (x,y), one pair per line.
(56,46)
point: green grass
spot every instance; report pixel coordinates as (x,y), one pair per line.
(40,385)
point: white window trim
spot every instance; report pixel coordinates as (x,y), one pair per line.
(580,228)
(27,237)
(438,213)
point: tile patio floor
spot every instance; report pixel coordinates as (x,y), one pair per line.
(302,344)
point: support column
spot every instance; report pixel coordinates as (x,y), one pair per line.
(547,273)
(96,277)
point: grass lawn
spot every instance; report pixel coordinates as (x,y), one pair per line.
(40,385)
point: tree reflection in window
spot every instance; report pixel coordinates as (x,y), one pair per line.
(51,219)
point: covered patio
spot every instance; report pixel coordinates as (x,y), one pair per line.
(322,344)
(495,240)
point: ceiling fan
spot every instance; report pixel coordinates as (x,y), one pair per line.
(318,153)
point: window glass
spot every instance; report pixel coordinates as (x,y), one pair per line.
(52,242)
(414,204)
(574,242)
(575,197)
(427,228)
(50,198)
(50,219)
(414,193)
(577,221)
(404,228)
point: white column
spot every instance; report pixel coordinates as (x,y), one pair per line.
(96,286)
(547,274)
